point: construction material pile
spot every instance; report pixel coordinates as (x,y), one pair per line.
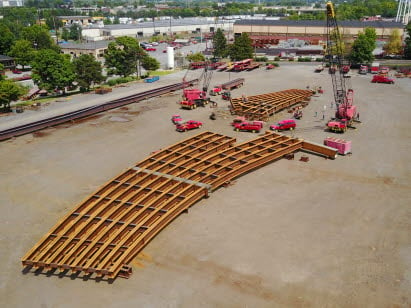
(261,107)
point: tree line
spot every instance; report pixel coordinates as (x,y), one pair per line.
(347,10)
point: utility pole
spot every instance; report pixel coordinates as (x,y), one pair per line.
(171,32)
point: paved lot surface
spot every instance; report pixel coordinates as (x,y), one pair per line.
(292,234)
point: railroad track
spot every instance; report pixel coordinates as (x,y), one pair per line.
(81,113)
(106,231)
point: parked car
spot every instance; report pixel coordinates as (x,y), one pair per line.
(382,79)
(238,120)
(154,44)
(145,45)
(176,119)
(384,70)
(284,125)
(150,49)
(254,126)
(363,70)
(183,127)
(16,71)
(319,68)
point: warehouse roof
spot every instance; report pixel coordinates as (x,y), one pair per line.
(5,58)
(320,23)
(86,46)
(162,23)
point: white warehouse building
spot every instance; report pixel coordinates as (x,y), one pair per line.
(158,27)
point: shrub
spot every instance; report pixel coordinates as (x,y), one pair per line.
(261,59)
(196,57)
(273,63)
(113,82)
(277,59)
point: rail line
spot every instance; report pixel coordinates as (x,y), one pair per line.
(81,113)
(109,228)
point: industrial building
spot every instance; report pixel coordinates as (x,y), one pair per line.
(81,20)
(8,62)
(96,49)
(312,31)
(157,27)
(11,3)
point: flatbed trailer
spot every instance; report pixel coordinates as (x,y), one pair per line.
(236,83)
(252,66)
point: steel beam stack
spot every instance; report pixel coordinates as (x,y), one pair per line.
(261,107)
(109,228)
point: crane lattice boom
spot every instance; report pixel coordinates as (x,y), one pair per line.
(334,55)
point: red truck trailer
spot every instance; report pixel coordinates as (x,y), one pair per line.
(375,67)
(232,84)
(242,65)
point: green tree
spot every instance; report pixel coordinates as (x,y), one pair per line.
(242,48)
(356,9)
(10,91)
(40,37)
(88,71)
(150,63)
(394,44)
(371,36)
(123,56)
(75,32)
(6,39)
(2,77)
(219,44)
(196,57)
(52,71)
(407,48)
(22,51)
(362,49)
(65,34)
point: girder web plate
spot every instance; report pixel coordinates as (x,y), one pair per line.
(106,231)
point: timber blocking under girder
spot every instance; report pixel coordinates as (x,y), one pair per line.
(109,228)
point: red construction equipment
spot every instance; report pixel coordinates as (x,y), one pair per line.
(346,111)
(254,126)
(235,83)
(245,65)
(193,98)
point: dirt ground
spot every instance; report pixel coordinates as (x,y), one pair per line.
(323,233)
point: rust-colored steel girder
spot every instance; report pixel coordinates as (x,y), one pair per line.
(108,229)
(262,106)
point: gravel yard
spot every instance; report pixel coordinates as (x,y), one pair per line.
(322,233)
